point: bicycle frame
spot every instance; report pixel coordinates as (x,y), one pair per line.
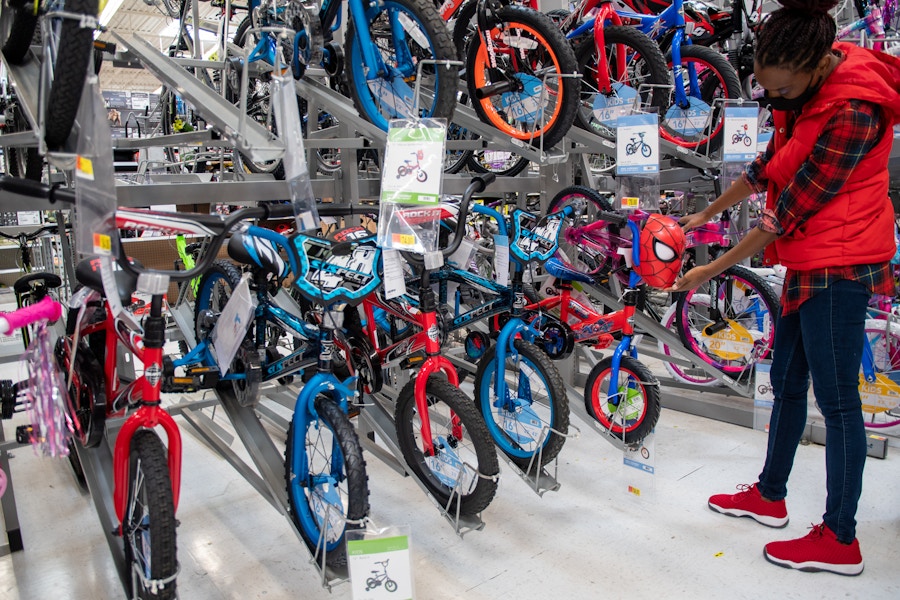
(145,389)
(605,15)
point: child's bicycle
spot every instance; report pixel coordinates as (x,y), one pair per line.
(440,433)
(42,394)
(379,577)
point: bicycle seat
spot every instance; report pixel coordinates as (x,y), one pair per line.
(88,274)
(26,283)
(251,250)
(562,271)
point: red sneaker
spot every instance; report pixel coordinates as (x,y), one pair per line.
(819,550)
(749,503)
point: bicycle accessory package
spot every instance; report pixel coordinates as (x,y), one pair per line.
(662,246)
(411,185)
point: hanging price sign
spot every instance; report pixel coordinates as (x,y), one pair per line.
(740,132)
(637,145)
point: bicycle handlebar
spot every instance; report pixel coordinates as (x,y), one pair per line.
(477,185)
(612,217)
(47,309)
(215,226)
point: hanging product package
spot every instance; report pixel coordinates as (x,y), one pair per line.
(296,170)
(95,185)
(410,211)
(637,162)
(741,138)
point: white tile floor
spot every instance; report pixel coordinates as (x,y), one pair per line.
(588,540)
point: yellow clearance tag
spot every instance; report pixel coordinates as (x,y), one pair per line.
(102,243)
(84,168)
(630,202)
(404,239)
(732,343)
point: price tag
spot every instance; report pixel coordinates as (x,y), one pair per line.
(413,164)
(637,145)
(380,566)
(630,203)
(501,259)
(740,132)
(394,280)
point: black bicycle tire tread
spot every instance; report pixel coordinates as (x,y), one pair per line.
(70,72)
(354,467)
(560,48)
(474,425)
(438,34)
(520,165)
(631,37)
(755,281)
(652,404)
(556,393)
(34,163)
(729,76)
(163,539)
(579,190)
(21,34)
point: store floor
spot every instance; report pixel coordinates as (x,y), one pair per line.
(590,539)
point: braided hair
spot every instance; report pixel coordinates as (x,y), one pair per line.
(797,35)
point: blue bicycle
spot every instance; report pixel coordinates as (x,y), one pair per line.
(700,74)
(324,467)
(385,44)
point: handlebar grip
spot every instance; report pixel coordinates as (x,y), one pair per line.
(26,187)
(48,309)
(612,217)
(484,179)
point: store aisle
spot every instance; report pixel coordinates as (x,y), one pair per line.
(591,539)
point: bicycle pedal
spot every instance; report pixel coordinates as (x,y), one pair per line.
(24,434)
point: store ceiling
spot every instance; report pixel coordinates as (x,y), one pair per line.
(147,19)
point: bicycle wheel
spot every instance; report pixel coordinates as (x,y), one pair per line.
(583,257)
(633,410)
(698,123)
(737,329)
(884,339)
(642,65)
(680,372)
(533,418)
(21,161)
(522,93)
(148,528)
(18,30)
(462,472)
(213,293)
(87,388)
(70,50)
(499,162)
(259,106)
(415,26)
(326,480)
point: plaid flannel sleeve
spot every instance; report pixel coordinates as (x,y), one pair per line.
(847,137)
(753,175)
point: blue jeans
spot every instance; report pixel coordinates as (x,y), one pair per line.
(824,339)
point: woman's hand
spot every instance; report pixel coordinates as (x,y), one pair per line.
(693,221)
(692,279)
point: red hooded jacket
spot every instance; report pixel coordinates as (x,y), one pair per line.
(856,226)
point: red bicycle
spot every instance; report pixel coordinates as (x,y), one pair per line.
(440,432)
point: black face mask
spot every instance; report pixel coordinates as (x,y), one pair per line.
(793,103)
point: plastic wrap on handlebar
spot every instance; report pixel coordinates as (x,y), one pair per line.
(48,309)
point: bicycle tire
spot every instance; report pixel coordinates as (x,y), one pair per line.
(717,80)
(631,427)
(548,53)
(748,287)
(581,257)
(479,487)
(645,65)
(20,28)
(87,389)
(498,162)
(258,108)
(349,468)
(519,437)
(25,162)
(73,59)
(424,16)
(153,527)
(677,371)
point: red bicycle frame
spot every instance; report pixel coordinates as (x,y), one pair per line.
(429,339)
(145,390)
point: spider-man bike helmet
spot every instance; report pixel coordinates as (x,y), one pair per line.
(662,245)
